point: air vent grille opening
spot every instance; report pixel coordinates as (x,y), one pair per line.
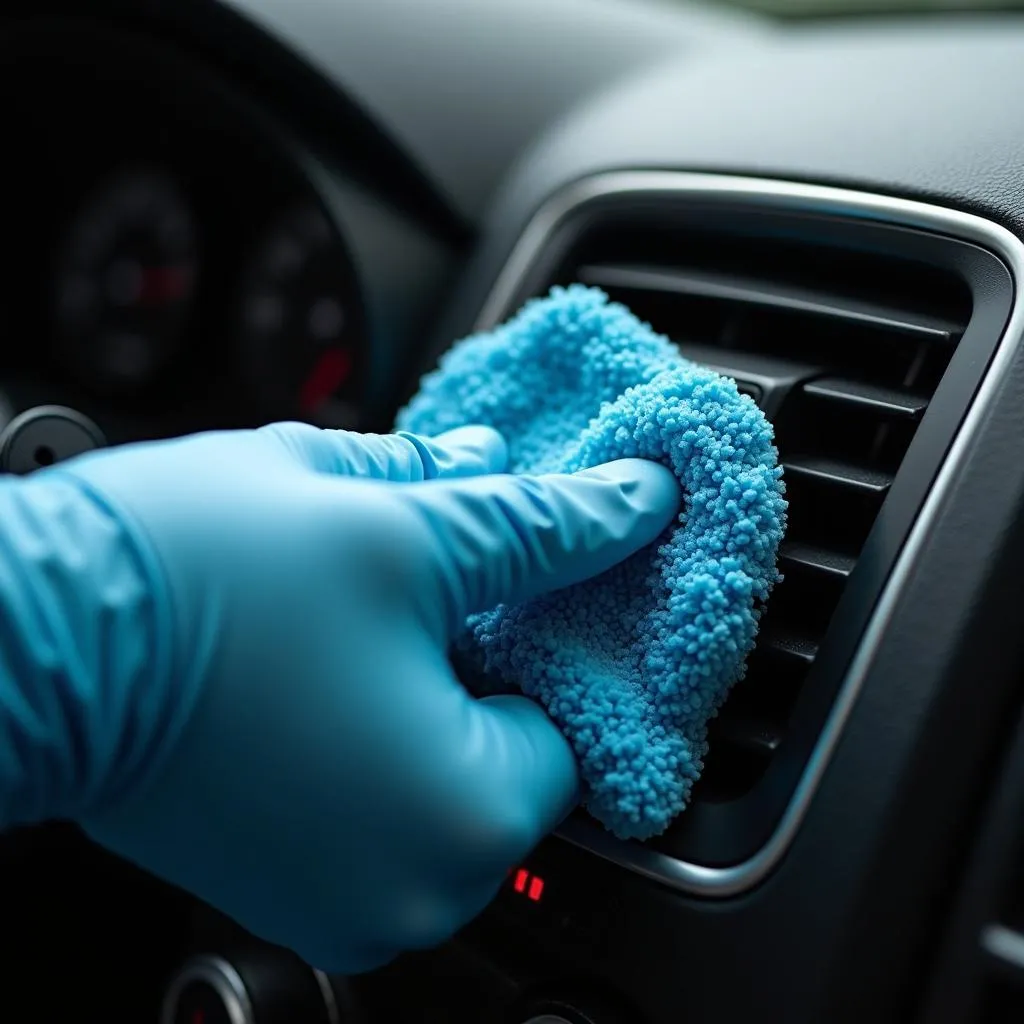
(843,348)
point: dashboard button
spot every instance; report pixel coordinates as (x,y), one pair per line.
(559,1011)
(258,986)
(203,1003)
(208,990)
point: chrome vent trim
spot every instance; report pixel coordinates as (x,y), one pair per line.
(780,196)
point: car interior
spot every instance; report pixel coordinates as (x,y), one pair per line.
(224,213)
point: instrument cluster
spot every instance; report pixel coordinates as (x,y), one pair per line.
(131,290)
(174,264)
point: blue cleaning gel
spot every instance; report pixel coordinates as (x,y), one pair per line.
(631,665)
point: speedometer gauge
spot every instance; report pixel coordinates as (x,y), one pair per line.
(125,282)
(302,344)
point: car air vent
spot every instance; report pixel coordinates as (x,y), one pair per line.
(846,370)
(849,332)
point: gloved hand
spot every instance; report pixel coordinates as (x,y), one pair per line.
(297,751)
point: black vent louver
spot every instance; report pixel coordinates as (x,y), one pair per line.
(842,329)
(846,373)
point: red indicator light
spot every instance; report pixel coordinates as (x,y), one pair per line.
(199,1017)
(530,886)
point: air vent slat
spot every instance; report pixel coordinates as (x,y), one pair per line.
(790,647)
(807,556)
(750,736)
(1005,946)
(789,297)
(828,471)
(884,401)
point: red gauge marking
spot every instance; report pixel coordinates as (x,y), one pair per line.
(329,373)
(162,284)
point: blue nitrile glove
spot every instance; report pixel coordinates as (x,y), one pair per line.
(240,678)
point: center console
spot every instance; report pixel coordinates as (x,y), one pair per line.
(532,958)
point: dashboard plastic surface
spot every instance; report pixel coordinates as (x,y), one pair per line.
(919,109)
(846,927)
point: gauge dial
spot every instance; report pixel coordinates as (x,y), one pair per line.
(301,335)
(125,282)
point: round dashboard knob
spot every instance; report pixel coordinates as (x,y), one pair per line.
(255,987)
(45,435)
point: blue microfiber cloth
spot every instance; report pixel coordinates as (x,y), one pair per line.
(633,664)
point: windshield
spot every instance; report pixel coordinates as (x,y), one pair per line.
(818,8)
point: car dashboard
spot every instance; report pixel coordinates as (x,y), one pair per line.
(179,260)
(222,214)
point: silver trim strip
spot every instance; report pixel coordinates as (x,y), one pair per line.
(778,195)
(327,993)
(1004,944)
(216,972)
